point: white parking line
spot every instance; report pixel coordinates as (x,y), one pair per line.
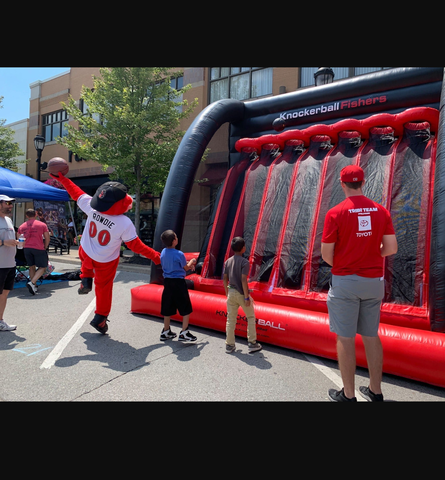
(334,377)
(66,339)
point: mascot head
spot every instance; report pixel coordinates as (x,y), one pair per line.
(111,198)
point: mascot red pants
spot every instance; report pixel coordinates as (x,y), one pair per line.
(105,230)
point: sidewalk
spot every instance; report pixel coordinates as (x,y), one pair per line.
(73,257)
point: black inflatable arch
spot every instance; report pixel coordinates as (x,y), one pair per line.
(389,91)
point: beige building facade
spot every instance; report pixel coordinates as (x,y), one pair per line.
(20,129)
(208,84)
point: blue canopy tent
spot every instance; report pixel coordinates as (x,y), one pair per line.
(20,186)
(24,188)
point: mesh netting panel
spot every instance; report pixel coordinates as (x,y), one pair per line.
(375,160)
(218,232)
(344,154)
(409,213)
(255,189)
(273,214)
(297,234)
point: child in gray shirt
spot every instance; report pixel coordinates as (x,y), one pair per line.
(236,270)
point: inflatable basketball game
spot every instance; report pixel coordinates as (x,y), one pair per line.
(286,153)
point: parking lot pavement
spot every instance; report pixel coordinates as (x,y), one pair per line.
(55,355)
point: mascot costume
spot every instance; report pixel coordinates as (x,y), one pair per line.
(105,230)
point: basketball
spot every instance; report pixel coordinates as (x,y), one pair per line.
(56,165)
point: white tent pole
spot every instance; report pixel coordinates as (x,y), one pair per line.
(72,218)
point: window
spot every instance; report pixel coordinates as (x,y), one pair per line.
(240,83)
(54,125)
(84,108)
(307,73)
(177,84)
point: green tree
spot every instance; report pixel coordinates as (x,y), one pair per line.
(130,121)
(9,150)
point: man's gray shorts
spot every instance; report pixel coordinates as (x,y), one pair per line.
(354,305)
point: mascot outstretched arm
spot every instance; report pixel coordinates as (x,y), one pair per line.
(105,230)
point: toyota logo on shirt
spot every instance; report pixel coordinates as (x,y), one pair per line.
(364,222)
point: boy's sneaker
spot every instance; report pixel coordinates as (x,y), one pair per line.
(339,396)
(230,348)
(365,392)
(167,335)
(254,347)
(32,288)
(86,285)
(99,322)
(186,336)
(4,327)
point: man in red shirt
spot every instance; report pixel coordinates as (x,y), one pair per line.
(36,242)
(357,234)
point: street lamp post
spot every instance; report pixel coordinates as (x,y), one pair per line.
(39,144)
(324,75)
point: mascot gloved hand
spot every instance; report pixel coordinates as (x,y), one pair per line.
(105,230)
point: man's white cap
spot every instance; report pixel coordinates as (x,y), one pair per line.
(5,198)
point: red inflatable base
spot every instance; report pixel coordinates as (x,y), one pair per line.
(410,353)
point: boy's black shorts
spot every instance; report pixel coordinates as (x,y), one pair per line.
(175,297)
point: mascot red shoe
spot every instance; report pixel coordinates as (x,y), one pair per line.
(105,230)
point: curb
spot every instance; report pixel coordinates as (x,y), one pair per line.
(73,258)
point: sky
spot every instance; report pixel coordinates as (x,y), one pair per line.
(14,88)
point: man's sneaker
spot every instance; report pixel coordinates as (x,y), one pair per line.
(86,285)
(32,288)
(339,396)
(186,336)
(230,348)
(254,347)
(167,335)
(4,327)
(366,392)
(99,322)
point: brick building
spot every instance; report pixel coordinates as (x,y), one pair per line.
(209,84)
